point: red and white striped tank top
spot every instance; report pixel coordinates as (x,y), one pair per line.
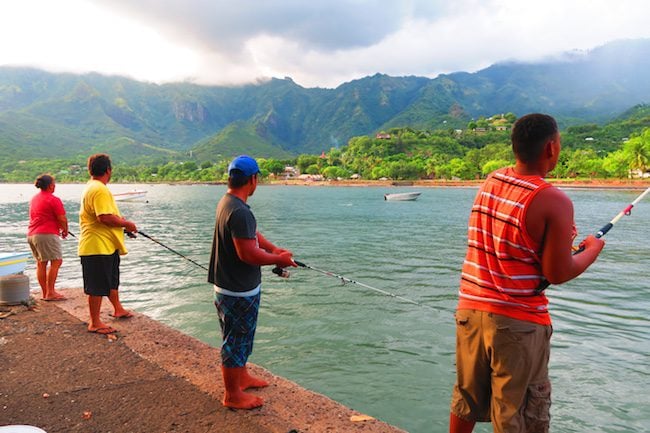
(503,264)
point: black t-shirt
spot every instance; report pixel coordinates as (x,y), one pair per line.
(234,220)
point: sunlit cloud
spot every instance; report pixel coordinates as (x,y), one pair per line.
(316,43)
(84,38)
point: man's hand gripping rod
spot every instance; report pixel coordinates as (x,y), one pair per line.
(602,232)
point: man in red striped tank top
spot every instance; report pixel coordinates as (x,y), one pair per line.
(520,233)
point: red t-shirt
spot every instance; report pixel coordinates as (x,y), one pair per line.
(43,211)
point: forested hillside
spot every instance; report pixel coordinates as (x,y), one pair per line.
(617,149)
(45,115)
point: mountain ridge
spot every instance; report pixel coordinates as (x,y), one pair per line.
(47,115)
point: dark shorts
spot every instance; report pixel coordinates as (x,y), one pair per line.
(238,320)
(101,273)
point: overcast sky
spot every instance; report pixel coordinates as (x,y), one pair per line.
(318,43)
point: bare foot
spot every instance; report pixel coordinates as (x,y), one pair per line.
(124,314)
(104,331)
(92,327)
(248,381)
(56,296)
(242,400)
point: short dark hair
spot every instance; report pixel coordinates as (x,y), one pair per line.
(529,135)
(44,181)
(99,164)
(237,178)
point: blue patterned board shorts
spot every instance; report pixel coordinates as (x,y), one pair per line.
(238,321)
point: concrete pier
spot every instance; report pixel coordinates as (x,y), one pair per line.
(146,378)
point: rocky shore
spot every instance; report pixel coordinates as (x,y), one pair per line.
(146,378)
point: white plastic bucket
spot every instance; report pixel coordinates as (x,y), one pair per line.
(14,289)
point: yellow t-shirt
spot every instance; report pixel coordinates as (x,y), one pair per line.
(95,237)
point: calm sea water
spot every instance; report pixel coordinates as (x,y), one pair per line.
(374,353)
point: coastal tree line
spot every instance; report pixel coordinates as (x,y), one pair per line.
(589,151)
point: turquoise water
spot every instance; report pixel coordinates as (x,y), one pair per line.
(374,353)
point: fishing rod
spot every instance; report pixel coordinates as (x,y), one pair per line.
(129,234)
(132,236)
(170,249)
(602,232)
(283,273)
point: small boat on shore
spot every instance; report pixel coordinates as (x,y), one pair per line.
(13,263)
(402,196)
(136,194)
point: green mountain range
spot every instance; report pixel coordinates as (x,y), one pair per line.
(46,115)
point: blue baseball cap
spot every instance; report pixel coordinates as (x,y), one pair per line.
(246,164)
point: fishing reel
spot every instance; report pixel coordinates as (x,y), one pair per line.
(281,272)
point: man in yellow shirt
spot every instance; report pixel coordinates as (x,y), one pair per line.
(101,243)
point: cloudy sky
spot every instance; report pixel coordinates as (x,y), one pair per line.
(318,43)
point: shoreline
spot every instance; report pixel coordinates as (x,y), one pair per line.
(625,184)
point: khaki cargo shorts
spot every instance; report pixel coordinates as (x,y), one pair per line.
(502,372)
(45,247)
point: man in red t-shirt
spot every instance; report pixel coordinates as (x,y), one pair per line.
(47,220)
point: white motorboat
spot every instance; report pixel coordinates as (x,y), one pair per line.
(135,195)
(402,196)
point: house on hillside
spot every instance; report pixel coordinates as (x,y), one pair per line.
(310,177)
(290,172)
(638,174)
(382,136)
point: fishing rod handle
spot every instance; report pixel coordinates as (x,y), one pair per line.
(603,231)
(301,264)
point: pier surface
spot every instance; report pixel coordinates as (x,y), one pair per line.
(57,376)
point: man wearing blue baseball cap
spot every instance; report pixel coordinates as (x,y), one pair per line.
(244,163)
(238,252)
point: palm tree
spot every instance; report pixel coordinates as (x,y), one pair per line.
(637,151)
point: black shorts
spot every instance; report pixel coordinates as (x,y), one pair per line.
(101,273)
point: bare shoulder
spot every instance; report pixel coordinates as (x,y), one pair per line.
(550,208)
(553,199)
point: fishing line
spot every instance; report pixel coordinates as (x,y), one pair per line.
(344,280)
(285,274)
(170,249)
(132,236)
(602,232)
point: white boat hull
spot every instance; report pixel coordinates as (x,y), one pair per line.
(13,263)
(402,196)
(130,195)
